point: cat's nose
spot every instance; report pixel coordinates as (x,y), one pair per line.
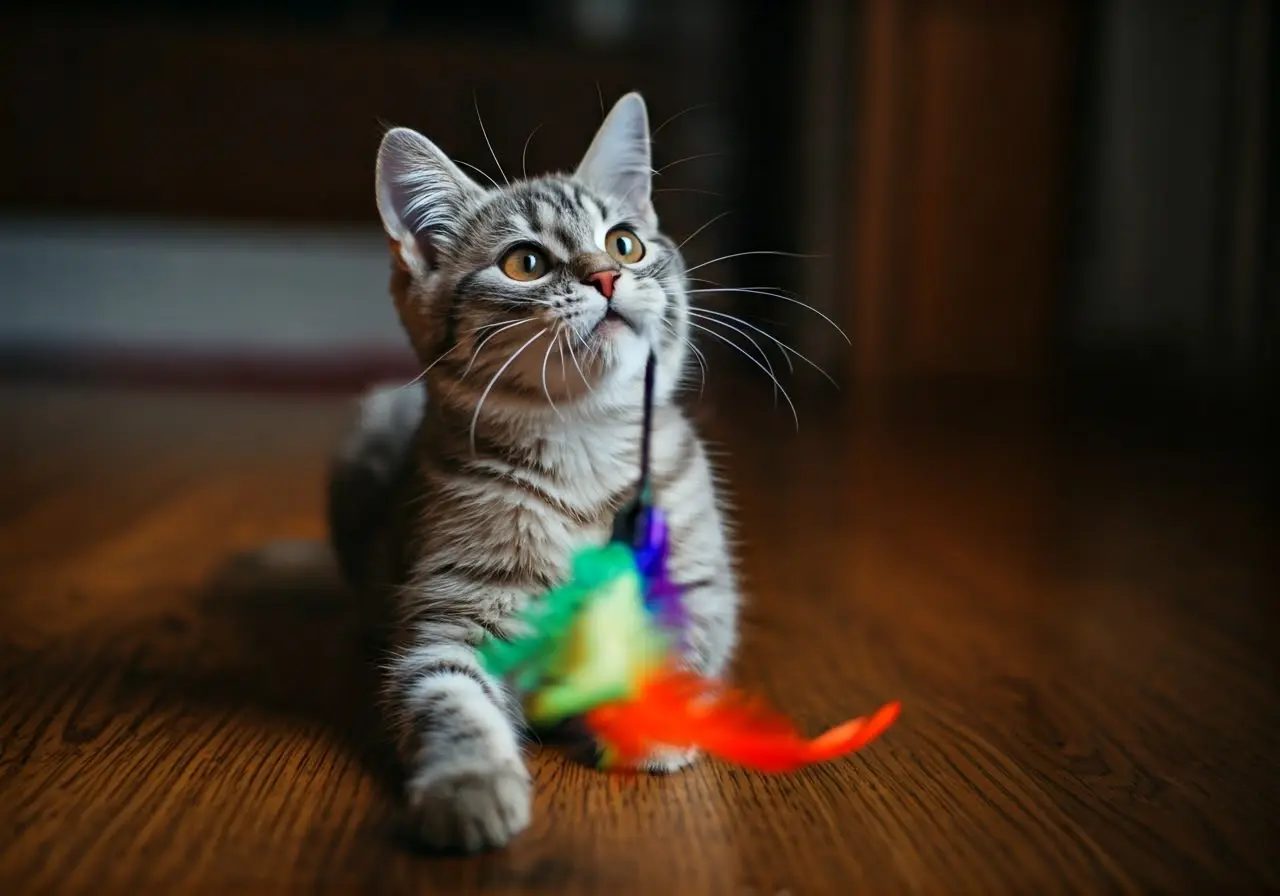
(602,281)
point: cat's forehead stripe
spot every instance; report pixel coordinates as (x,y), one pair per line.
(561,214)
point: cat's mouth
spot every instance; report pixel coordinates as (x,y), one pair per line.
(615,319)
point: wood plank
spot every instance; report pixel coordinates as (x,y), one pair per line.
(1078,626)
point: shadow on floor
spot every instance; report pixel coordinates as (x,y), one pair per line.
(290,637)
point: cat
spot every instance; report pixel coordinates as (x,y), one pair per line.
(532,308)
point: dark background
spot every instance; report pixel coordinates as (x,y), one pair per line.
(1073,197)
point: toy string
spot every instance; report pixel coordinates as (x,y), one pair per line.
(624,526)
(646,432)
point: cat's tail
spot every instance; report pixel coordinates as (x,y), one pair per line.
(374,453)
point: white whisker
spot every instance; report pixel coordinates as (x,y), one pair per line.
(702,228)
(744,254)
(776,295)
(697,356)
(702,364)
(475,353)
(706,315)
(555,340)
(524,169)
(475,418)
(574,358)
(655,131)
(491,325)
(427,369)
(687,190)
(476,100)
(786,349)
(701,155)
(763,354)
(795,414)
(480,170)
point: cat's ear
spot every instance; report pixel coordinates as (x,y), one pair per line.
(422,196)
(618,162)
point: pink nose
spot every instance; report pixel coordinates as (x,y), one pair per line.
(603,281)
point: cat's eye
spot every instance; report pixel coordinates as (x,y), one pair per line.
(624,245)
(525,263)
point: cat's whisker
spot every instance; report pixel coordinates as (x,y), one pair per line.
(763,354)
(745,254)
(746,354)
(555,340)
(786,349)
(702,364)
(702,228)
(697,356)
(492,324)
(419,377)
(655,131)
(479,170)
(574,358)
(687,190)
(427,369)
(524,169)
(475,418)
(720,318)
(476,100)
(677,281)
(693,158)
(775,295)
(505,303)
(475,352)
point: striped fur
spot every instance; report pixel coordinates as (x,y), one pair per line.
(474,486)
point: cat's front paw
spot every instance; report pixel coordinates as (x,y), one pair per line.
(470,806)
(584,748)
(662,761)
(668,761)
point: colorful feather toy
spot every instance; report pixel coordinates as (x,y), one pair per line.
(605,646)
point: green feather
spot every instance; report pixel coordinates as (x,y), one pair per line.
(581,644)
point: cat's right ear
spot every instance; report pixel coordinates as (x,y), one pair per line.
(422,196)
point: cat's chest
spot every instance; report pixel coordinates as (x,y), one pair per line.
(586,474)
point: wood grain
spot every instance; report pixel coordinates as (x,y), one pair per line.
(1077,626)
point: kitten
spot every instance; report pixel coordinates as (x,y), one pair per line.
(532,308)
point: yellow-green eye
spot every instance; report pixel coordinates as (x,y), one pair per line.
(524,263)
(624,245)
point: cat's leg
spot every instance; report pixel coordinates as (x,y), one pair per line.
(373,453)
(457,732)
(711,635)
(701,564)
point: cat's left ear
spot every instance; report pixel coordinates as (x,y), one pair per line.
(618,163)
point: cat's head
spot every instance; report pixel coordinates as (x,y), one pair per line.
(548,292)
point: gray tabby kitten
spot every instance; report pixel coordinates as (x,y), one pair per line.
(533,308)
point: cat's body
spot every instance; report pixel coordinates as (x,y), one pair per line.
(534,308)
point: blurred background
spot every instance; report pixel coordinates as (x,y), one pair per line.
(1075,197)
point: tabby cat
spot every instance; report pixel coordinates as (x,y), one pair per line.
(532,308)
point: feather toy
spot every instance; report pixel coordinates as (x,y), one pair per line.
(605,648)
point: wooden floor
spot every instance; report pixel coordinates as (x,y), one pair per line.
(1080,627)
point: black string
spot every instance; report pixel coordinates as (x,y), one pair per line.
(626,522)
(646,432)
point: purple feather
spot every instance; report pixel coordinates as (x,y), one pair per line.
(662,596)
